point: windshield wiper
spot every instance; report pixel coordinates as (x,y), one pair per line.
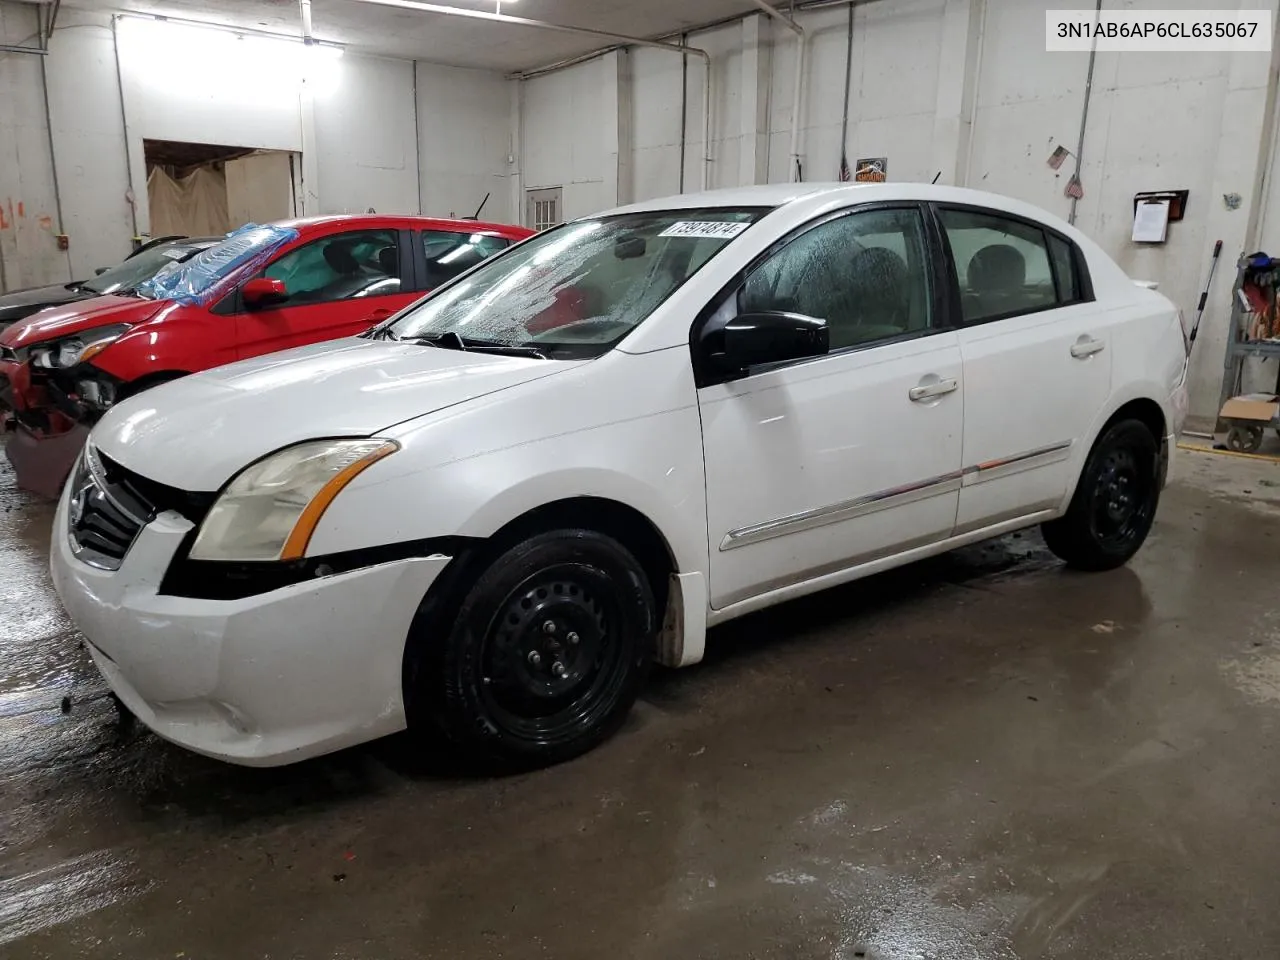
(451,340)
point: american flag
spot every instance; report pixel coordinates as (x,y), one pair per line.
(845,173)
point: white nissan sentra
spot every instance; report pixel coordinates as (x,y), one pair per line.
(486,517)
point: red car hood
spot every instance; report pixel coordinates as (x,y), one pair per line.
(63,321)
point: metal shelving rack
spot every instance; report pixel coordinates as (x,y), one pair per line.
(1237,347)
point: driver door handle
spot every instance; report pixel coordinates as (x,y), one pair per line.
(1087,347)
(928,391)
(379,315)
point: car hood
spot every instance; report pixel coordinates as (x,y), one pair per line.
(75,317)
(198,432)
(22,303)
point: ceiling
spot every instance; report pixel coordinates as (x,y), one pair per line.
(447,39)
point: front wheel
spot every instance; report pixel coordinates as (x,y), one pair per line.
(545,655)
(1114,503)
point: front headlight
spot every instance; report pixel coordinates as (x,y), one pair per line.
(269,511)
(62,354)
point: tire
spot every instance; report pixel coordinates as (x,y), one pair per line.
(1114,503)
(1244,438)
(541,658)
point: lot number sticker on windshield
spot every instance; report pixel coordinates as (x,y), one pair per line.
(704,228)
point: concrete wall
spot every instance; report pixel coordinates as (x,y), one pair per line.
(961,89)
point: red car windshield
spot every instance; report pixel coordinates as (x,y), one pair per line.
(196,280)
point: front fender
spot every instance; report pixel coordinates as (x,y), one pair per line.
(652,465)
(177,338)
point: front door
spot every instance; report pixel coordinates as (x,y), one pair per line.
(1037,368)
(819,465)
(336,286)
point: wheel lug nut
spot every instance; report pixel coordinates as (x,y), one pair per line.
(535,657)
(558,668)
(572,637)
(548,626)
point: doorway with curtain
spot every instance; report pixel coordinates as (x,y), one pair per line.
(200,190)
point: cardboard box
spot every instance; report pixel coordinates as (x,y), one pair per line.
(1259,407)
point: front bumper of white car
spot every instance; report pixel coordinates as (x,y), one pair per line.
(260,681)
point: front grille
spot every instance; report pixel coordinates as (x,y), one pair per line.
(105,517)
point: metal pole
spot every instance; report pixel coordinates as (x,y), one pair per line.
(1084,114)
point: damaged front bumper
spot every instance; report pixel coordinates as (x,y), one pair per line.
(50,413)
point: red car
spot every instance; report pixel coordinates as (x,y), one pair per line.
(262,289)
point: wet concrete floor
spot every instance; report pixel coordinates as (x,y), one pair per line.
(983,756)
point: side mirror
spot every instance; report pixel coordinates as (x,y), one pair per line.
(754,338)
(263,292)
(100,271)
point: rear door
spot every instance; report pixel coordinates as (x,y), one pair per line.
(337,285)
(1037,363)
(444,254)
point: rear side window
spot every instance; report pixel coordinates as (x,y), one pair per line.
(1003,266)
(449,254)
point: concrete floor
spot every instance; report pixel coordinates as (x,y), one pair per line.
(979,757)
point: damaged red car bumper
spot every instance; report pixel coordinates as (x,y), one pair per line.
(43,440)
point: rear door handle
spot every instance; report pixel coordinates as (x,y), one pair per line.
(379,315)
(927,391)
(1087,347)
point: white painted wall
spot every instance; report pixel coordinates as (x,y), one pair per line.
(365,141)
(355,120)
(464,142)
(960,88)
(28,215)
(88,141)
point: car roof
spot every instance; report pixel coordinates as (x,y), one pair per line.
(401,221)
(824,195)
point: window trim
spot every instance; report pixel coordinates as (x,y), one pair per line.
(944,307)
(1077,255)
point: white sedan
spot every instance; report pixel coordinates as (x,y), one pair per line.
(485,518)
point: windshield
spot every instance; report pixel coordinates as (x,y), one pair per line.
(574,291)
(143,266)
(198,279)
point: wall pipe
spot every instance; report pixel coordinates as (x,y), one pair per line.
(304,11)
(797,101)
(1084,114)
(15,48)
(617,38)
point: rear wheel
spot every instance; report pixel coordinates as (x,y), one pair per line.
(545,656)
(1114,503)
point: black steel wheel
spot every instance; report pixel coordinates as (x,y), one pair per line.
(545,656)
(1114,503)
(1244,438)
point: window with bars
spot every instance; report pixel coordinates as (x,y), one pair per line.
(544,208)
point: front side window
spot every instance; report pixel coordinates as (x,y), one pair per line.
(1002,265)
(866,274)
(451,254)
(575,290)
(344,266)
